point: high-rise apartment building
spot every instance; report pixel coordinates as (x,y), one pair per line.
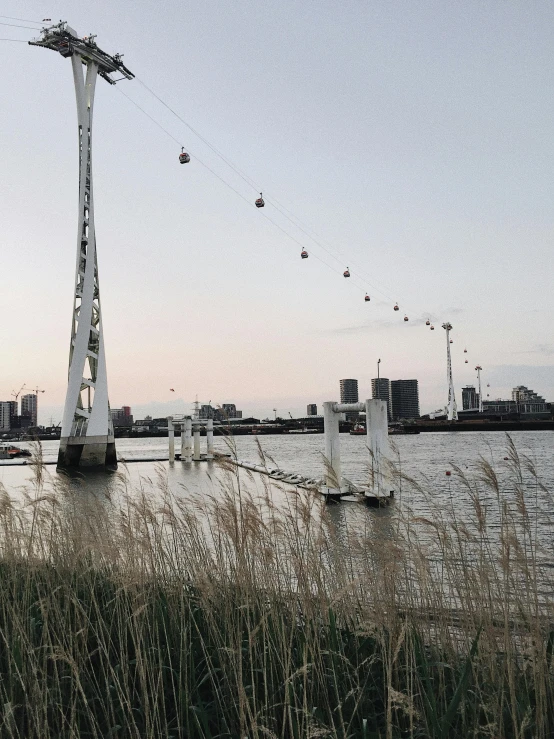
(349,394)
(404,397)
(470,398)
(349,391)
(311,409)
(380,389)
(5,415)
(29,407)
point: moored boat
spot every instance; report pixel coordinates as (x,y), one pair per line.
(9,451)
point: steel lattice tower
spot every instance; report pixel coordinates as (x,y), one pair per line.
(87,437)
(451,409)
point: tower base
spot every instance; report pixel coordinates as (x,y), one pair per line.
(87,452)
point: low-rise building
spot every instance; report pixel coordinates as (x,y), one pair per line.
(122,417)
(525,403)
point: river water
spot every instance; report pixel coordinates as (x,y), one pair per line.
(425,458)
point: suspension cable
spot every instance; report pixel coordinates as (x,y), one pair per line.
(287,213)
(227,184)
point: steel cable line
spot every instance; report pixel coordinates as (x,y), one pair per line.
(230,164)
(286,212)
(19,40)
(23,20)
(237,192)
(13,25)
(278,206)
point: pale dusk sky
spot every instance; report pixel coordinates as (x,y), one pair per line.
(414,138)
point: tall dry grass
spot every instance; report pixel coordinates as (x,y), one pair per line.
(249,613)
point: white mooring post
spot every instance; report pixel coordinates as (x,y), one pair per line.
(186,452)
(377,429)
(332,473)
(210,439)
(196,456)
(188,439)
(377,440)
(171,436)
(183,446)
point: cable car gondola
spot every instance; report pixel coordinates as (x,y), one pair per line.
(65,48)
(304,254)
(451,341)
(432,328)
(346,273)
(465,351)
(406,318)
(184,158)
(367,298)
(259,203)
(427,322)
(466,361)
(396,307)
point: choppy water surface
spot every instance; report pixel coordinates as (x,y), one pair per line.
(425,457)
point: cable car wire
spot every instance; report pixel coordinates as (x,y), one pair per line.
(23,20)
(286,212)
(13,25)
(215,174)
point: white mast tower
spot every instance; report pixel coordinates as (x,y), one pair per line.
(87,437)
(451,410)
(478,370)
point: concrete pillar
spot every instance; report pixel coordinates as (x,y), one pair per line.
(332,449)
(196,456)
(378,443)
(182,439)
(186,440)
(210,439)
(171,435)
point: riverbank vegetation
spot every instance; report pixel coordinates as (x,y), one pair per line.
(250,612)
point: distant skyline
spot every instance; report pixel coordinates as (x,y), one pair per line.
(414,138)
(264,407)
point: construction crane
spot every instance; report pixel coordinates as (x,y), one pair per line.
(18,393)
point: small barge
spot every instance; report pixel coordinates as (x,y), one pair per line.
(9,451)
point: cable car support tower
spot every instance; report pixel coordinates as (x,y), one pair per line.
(451,409)
(478,370)
(87,437)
